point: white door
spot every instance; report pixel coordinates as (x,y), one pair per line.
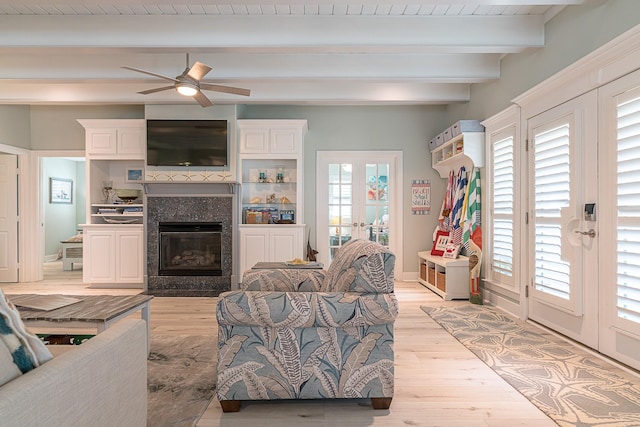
(619,185)
(563,251)
(8,218)
(357,197)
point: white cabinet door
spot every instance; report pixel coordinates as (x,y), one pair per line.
(286,244)
(113,256)
(284,141)
(128,255)
(99,257)
(270,244)
(254,247)
(131,143)
(254,141)
(101,142)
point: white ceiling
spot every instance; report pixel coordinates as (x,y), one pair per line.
(310,52)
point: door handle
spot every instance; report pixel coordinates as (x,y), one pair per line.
(591,233)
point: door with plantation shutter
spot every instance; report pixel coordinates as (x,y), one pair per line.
(563,252)
(619,158)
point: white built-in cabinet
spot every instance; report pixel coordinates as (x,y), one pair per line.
(113,251)
(270,174)
(115,138)
(113,254)
(259,244)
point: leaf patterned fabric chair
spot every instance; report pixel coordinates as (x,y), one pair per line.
(310,334)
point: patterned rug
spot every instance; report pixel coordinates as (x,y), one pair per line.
(181,377)
(570,385)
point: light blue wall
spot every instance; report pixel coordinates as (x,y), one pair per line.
(400,128)
(15,125)
(56,127)
(569,36)
(60,220)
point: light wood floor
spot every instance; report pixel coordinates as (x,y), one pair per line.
(438,382)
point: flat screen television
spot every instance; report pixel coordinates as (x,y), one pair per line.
(187,143)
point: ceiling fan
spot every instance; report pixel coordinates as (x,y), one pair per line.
(189,83)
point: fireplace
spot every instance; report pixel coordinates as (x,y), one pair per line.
(200,261)
(190,249)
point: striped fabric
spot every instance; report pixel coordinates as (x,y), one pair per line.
(472,217)
(14,346)
(457,211)
(20,351)
(447,204)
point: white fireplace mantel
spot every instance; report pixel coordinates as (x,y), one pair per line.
(190,188)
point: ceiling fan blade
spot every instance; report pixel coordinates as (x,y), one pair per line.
(202,99)
(158,89)
(151,74)
(225,89)
(198,71)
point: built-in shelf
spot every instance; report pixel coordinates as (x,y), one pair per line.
(466,149)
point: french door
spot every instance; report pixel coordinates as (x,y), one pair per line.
(357,198)
(619,186)
(563,242)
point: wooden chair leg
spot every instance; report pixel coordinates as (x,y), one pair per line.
(230,405)
(381,402)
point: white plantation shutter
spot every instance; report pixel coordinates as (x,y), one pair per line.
(502,208)
(628,197)
(552,193)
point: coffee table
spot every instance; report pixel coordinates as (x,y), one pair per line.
(100,311)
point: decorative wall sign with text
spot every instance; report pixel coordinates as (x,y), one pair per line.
(420,197)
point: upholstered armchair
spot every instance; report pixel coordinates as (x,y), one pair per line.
(310,334)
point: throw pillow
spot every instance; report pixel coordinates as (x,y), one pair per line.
(451,251)
(26,349)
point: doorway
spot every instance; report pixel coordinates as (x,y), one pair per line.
(358,197)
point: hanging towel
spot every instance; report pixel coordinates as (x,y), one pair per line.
(447,204)
(472,214)
(456,212)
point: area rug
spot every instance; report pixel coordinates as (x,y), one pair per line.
(570,385)
(181,377)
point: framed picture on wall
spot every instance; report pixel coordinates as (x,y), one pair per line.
(133,175)
(60,190)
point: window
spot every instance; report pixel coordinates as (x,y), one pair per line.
(502,181)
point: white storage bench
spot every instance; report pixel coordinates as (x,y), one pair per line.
(71,254)
(447,277)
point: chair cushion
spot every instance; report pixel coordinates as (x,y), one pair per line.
(361,266)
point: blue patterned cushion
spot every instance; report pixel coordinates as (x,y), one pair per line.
(305,309)
(361,266)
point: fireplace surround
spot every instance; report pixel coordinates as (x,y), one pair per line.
(173,206)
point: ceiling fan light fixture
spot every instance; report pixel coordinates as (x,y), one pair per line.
(186,88)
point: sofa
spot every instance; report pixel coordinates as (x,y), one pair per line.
(102,382)
(311,334)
